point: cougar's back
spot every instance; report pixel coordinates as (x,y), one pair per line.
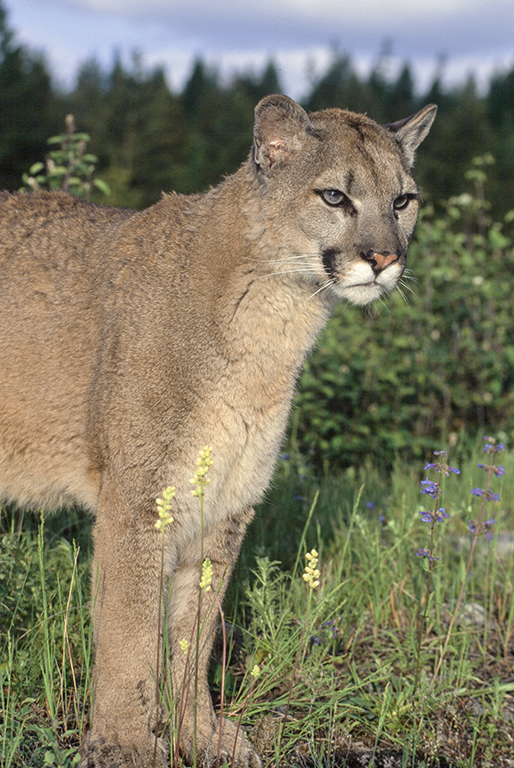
(50,249)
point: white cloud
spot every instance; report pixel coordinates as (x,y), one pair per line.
(234,34)
(360,11)
(420,26)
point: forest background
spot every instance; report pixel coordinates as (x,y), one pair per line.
(435,364)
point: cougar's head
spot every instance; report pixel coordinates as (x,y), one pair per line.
(337,195)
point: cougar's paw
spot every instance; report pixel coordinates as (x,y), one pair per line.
(208,744)
(95,752)
(245,755)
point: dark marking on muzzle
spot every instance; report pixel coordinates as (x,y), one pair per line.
(329,257)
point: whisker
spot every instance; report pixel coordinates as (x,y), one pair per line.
(298,256)
(406,287)
(402,294)
(408,274)
(287,272)
(379,300)
(321,288)
(293,271)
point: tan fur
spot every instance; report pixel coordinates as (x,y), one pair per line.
(129,341)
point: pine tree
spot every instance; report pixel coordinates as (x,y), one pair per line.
(401,101)
(25,107)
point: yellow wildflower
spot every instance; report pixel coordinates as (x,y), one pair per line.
(311,574)
(164,508)
(203,464)
(184,645)
(206,577)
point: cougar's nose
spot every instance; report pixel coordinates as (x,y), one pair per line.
(379,261)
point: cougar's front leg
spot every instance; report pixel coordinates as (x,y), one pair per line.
(125,604)
(201,733)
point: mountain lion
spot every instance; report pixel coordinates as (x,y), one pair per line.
(131,340)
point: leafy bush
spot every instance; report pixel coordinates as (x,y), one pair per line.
(435,363)
(70,167)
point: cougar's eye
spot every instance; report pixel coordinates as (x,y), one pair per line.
(402,202)
(334,197)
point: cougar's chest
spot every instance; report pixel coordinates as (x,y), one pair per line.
(245,424)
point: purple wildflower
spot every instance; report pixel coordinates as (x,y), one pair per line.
(442,467)
(425,553)
(429,487)
(331,625)
(371,505)
(487,495)
(433,517)
(483,528)
(498,471)
(491,446)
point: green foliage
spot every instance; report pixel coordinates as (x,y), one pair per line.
(70,167)
(45,647)
(341,657)
(437,362)
(357,678)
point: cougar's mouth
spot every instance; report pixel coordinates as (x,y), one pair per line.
(365,291)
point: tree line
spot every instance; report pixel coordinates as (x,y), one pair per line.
(150,139)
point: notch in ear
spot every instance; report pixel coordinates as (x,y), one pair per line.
(411,131)
(279,130)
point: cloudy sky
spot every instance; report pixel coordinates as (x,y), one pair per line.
(474,35)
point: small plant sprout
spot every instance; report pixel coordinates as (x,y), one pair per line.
(478,527)
(433,489)
(203,464)
(165,518)
(184,645)
(311,576)
(486,494)
(255,673)
(436,515)
(69,167)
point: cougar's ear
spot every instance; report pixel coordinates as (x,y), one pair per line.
(411,131)
(279,130)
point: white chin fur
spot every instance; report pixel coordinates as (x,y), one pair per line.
(360,286)
(362,294)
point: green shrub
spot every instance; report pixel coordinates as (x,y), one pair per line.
(69,167)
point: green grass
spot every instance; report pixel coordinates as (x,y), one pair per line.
(339,660)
